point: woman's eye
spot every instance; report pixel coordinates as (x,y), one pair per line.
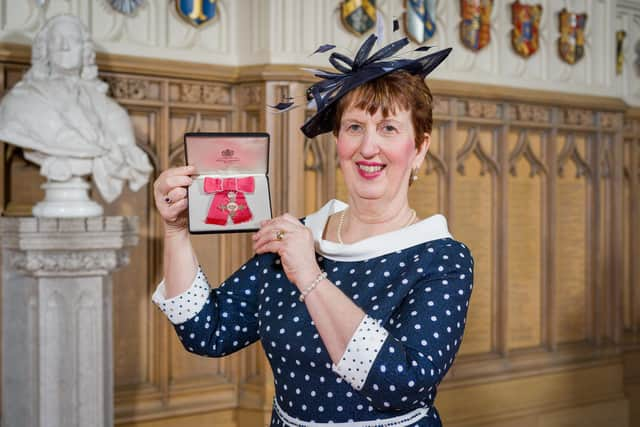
(353,127)
(389,129)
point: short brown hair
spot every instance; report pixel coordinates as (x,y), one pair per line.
(397,90)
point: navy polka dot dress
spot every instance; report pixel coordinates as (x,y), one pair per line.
(413,284)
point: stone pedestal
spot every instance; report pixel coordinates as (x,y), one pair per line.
(57,357)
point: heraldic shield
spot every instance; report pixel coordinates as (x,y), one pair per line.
(475,27)
(526,23)
(571,40)
(197,12)
(419,20)
(358,16)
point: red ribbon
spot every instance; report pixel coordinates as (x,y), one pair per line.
(229,199)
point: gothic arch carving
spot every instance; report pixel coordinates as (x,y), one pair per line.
(523,149)
(570,152)
(472,146)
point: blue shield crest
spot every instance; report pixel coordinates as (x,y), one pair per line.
(358,16)
(420,20)
(197,12)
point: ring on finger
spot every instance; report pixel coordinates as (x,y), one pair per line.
(280,234)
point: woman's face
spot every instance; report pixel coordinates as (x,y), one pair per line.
(377,154)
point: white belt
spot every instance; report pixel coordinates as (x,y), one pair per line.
(399,421)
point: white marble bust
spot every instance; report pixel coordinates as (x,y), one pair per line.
(60,115)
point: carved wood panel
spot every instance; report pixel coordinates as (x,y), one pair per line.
(627,293)
(472,216)
(524,251)
(631,225)
(133,342)
(572,201)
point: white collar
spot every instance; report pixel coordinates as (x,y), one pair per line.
(432,228)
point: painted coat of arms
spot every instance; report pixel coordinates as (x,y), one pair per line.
(420,20)
(526,22)
(571,40)
(358,16)
(197,12)
(475,27)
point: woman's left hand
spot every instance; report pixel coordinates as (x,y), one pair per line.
(289,238)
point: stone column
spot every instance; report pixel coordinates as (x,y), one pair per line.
(57,357)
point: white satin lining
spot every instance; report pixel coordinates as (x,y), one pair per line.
(431,228)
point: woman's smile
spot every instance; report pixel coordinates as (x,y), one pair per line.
(369,170)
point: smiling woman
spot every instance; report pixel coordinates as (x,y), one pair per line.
(360,308)
(383,133)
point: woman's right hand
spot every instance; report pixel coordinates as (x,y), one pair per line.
(170,194)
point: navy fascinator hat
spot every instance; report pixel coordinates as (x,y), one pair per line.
(351,73)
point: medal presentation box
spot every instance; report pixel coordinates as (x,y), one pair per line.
(230,188)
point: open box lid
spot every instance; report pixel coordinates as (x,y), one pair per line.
(230,153)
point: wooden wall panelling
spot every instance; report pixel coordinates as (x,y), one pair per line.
(444,109)
(602,321)
(314,173)
(606,295)
(635,225)
(22,178)
(209,383)
(139,331)
(287,153)
(554,398)
(443,158)
(571,240)
(134,324)
(250,102)
(136,374)
(550,312)
(501,223)
(596,258)
(474,215)
(617,255)
(320,171)
(627,293)
(634,214)
(525,248)
(610,131)
(631,296)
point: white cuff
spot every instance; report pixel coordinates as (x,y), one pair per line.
(361,352)
(183,307)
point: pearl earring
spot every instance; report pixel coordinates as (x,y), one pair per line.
(414,174)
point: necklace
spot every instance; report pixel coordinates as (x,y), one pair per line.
(412,218)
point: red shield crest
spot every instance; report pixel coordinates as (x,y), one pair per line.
(526,22)
(475,27)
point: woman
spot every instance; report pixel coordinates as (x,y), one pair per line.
(360,308)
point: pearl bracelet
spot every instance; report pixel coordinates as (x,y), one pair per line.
(312,286)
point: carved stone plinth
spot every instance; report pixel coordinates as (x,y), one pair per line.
(57,362)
